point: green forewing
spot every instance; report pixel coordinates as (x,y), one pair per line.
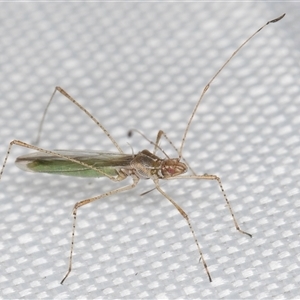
(107,163)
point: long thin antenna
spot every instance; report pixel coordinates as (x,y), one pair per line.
(213,78)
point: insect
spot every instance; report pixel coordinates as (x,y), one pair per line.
(118,166)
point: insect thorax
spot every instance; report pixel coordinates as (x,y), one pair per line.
(147,165)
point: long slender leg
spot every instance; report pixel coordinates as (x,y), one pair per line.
(87,201)
(216,178)
(81,203)
(184,214)
(64,93)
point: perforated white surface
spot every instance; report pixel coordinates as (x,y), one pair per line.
(144,65)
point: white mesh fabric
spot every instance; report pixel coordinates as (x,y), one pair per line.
(143,66)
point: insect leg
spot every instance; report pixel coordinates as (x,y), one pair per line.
(64,93)
(216,178)
(184,214)
(87,201)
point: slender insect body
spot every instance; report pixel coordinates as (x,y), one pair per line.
(144,165)
(118,166)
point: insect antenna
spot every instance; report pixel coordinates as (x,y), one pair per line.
(213,78)
(130,133)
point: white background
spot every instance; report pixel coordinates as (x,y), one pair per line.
(144,65)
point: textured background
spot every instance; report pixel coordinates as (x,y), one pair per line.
(143,65)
